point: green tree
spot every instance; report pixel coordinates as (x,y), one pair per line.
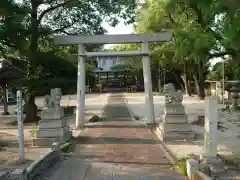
(45,18)
(190,43)
(220,19)
(12,31)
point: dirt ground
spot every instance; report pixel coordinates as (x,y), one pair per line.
(9,152)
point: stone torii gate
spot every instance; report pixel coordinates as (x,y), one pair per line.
(81,41)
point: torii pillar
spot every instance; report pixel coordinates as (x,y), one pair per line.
(80,87)
(148,85)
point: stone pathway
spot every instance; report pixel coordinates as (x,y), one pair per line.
(116,149)
(126,149)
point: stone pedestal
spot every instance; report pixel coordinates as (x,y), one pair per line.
(52,127)
(210,131)
(174,124)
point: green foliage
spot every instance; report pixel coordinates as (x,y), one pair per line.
(131,63)
(67,85)
(220,20)
(231,71)
(33,131)
(181,166)
(12,31)
(27,27)
(95,118)
(65,146)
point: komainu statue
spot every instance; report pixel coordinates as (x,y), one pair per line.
(171,95)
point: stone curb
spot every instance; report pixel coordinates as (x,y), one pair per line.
(38,166)
(164,148)
(129,109)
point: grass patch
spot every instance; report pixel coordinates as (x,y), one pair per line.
(33,131)
(65,146)
(180,166)
(95,118)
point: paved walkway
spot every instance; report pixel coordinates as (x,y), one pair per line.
(116,149)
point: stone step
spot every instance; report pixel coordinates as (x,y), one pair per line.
(175,127)
(173,134)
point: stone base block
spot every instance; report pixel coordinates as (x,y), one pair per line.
(52,124)
(175,118)
(54,132)
(51,114)
(174,109)
(50,141)
(172,127)
(167,132)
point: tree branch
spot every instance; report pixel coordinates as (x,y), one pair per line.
(219,54)
(61,29)
(67,33)
(52,9)
(201,22)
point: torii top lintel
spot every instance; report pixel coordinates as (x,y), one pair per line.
(114,39)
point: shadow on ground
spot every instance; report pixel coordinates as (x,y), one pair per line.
(116,109)
(114,126)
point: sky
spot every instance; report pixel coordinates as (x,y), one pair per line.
(121,28)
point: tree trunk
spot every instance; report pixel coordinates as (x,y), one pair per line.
(159,86)
(184,78)
(196,83)
(188,85)
(199,87)
(201,79)
(30,108)
(5,100)
(159,79)
(178,80)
